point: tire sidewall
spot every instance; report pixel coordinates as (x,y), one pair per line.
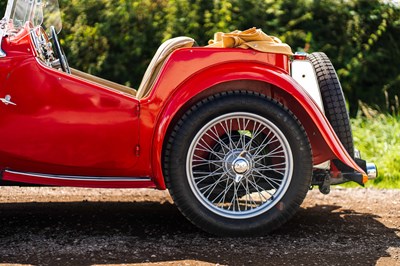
(295,192)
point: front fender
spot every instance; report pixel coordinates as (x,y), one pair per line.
(277,84)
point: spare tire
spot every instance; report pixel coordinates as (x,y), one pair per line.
(334,103)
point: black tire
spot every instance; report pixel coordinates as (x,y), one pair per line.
(334,103)
(293,154)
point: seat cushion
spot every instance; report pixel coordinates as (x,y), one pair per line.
(158,61)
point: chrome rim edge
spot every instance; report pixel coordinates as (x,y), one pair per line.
(239,184)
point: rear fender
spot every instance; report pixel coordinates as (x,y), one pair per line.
(269,81)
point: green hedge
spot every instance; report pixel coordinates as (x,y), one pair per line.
(378,139)
(117,38)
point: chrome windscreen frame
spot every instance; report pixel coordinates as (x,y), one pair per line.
(2,32)
(18,12)
(4,23)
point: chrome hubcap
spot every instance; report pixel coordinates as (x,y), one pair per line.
(237,163)
(240,166)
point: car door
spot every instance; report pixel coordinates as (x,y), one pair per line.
(55,123)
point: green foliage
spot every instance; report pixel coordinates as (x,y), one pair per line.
(116,39)
(361,37)
(3,5)
(378,140)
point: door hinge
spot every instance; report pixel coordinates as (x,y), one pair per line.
(137,150)
(137,111)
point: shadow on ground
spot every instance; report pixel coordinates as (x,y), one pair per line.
(86,233)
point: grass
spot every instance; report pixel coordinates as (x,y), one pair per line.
(378,140)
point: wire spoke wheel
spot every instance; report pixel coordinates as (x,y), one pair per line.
(239,165)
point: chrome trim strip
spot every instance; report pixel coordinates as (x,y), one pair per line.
(82,178)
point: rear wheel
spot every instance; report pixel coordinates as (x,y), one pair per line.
(238,164)
(334,103)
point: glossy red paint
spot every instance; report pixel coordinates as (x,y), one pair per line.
(65,125)
(238,65)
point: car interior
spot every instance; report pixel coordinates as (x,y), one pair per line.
(54,57)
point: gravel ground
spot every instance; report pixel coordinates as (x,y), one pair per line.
(70,226)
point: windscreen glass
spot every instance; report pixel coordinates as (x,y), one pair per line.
(37,12)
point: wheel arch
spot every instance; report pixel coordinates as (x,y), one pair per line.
(268,81)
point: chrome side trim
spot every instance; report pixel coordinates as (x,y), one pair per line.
(82,178)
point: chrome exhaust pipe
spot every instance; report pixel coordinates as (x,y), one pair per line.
(372,171)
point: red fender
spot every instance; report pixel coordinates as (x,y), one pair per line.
(248,71)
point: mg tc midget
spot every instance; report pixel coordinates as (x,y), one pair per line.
(238,131)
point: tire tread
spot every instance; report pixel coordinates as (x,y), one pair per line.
(334,103)
(170,166)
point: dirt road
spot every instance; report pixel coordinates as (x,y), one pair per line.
(69,226)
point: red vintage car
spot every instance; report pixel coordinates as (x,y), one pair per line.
(237,131)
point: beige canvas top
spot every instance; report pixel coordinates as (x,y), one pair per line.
(252,38)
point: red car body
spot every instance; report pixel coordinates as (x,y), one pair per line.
(67,131)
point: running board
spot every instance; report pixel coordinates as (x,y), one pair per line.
(77,181)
